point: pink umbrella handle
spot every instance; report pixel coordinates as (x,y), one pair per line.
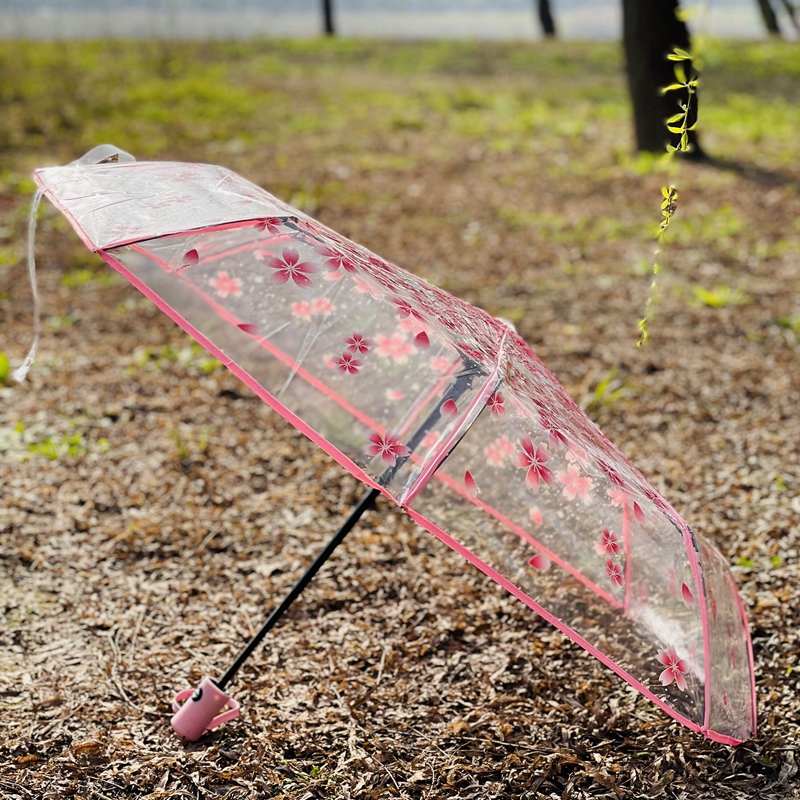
(197,716)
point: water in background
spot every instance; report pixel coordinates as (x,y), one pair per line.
(395,19)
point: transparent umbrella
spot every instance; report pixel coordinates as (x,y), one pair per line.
(436,405)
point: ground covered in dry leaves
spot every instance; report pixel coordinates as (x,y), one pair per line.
(152,509)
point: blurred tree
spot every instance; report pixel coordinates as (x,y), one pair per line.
(327,17)
(651,30)
(546,18)
(770,19)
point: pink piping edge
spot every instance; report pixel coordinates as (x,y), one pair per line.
(577,638)
(349,465)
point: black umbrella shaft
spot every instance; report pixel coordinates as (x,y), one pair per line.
(364,505)
(461,384)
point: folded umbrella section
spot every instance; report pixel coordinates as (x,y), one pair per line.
(443,409)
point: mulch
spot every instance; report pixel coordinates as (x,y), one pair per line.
(179,509)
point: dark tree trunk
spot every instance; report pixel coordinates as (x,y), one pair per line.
(791,11)
(327,14)
(770,20)
(651,30)
(546,18)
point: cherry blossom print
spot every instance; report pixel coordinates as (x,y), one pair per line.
(190,259)
(688,597)
(576,485)
(533,459)
(470,485)
(556,437)
(496,404)
(618,497)
(412,325)
(441,363)
(358,344)
(302,310)
(535,514)
(449,409)
(388,447)
(422,341)
(608,544)
(404,309)
(335,260)
(347,362)
(225,285)
(497,452)
(271,225)
(394,346)
(332,276)
(248,328)
(540,561)
(675,669)
(289,267)
(614,572)
(394,394)
(638,514)
(577,453)
(322,306)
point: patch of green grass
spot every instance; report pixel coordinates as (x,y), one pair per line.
(720,296)
(5,370)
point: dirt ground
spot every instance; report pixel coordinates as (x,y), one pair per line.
(152,509)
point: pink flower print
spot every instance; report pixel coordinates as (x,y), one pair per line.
(614,572)
(224,285)
(575,484)
(540,561)
(608,544)
(555,437)
(190,259)
(332,276)
(430,439)
(413,326)
(347,362)
(449,409)
(688,597)
(470,485)
(388,447)
(271,225)
(638,514)
(421,341)
(290,267)
(675,669)
(322,306)
(536,515)
(441,363)
(395,347)
(302,310)
(534,459)
(334,260)
(618,497)
(357,344)
(394,394)
(496,404)
(404,309)
(497,451)
(577,453)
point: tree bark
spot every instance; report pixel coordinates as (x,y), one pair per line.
(770,20)
(651,30)
(327,16)
(546,18)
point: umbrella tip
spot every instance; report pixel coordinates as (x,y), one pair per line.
(200,710)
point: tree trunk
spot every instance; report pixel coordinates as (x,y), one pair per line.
(770,20)
(327,14)
(546,18)
(651,30)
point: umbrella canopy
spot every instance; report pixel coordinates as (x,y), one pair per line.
(443,408)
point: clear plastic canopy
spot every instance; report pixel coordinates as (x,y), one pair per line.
(444,408)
